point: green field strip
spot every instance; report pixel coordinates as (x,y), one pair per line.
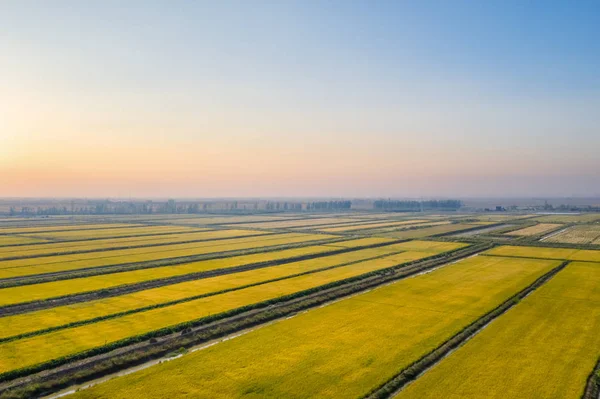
(342,350)
(38,349)
(118,244)
(109,233)
(546,346)
(35,266)
(66,228)
(573,254)
(36,292)
(63,315)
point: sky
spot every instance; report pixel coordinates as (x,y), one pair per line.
(299,98)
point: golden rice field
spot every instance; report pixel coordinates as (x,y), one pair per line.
(34,292)
(372,226)
(535,230)
(33,266)
(66,227)
(107,244)
(28,322)
(38,349)
(426,232)
(224,219)
(17,240)
(544,347)
(583,234)
(295,223)
(118,232)
(337,351)
(547,253)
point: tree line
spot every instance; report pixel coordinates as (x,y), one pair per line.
(414,206)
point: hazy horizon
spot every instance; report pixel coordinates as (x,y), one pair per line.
(299,99)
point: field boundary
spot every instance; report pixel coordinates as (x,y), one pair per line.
(592,386)
(414,370)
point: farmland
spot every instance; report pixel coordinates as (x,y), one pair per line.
(371,330)
(583,234)
(536,229)
(512,359)
(320,294)
(22,353)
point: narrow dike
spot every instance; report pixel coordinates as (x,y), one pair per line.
(123,267)
(413,371)
(43,379)
(592,386)
(24,307)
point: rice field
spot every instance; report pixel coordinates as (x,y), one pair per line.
(572,218)
(312,222)
(17,240)
(372,226)
(66,227)
(36,292)
(50,264)
(546,253)
(544,347)
(113,232)
(109,243)
(535,230)
(341,350)
(583,234)
(24,323)
(426,232)
(38,349)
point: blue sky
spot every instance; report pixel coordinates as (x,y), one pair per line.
(256,98)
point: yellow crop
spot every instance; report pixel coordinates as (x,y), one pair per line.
(35,292)
(30,351)
(583,234)
(545,347)
(339,351)
(547,253)
(372,225)
(533,230)
(294,223)
(130,231)
(25,267)
(201,234)
(14,240)
(71,227)
(19,324)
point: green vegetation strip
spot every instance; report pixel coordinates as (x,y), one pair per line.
(346,287)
